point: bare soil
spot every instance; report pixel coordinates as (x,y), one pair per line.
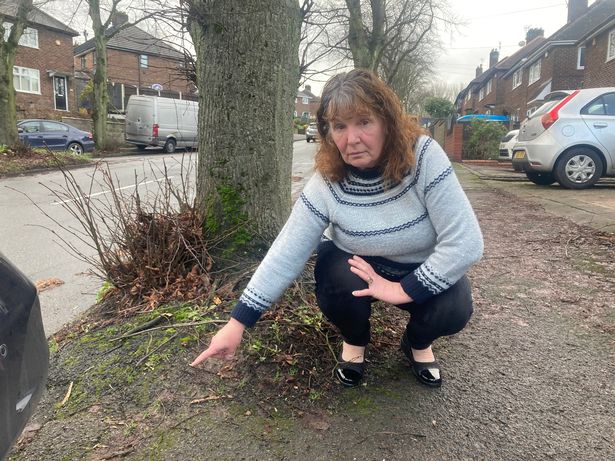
(531,377)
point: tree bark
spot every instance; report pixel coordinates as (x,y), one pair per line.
(100,92)
(248,74)
(8,49)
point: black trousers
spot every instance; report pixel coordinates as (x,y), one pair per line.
(441,315)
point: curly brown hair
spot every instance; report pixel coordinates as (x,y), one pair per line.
(361,92)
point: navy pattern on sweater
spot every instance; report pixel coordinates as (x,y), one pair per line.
(425,219)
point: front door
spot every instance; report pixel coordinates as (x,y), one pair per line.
(59,91)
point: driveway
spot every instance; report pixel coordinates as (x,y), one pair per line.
(593,207)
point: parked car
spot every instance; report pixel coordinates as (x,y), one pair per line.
(24,355)
(571,140)
(311,133)
(163,122)
(54,135)
(507,143)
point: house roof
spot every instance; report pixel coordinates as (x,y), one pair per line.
(573,32)
(593,17)
(305,93)
(608,24)
(8,8)
(136,40)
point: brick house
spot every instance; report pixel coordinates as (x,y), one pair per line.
(43,70)
(306,104)
(559,63)
(487,93)
(600,54)
(580,54)
(137,63)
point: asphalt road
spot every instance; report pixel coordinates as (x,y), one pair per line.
(27,235)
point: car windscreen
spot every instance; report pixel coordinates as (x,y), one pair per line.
(509,136)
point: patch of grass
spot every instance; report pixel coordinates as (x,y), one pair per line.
(16,160)
(592,266)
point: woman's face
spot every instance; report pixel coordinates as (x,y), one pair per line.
(360,139)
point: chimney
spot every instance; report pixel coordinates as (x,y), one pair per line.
(479,70)
(494,57)
(119,18)
(534,32)
(308,88)
(576,9)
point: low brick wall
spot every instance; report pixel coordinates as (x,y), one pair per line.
(453,142)
(116,129)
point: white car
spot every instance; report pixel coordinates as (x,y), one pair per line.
(311,133)
(507,143)
(571,140)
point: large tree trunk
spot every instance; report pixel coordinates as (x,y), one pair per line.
(8,49)
(8,116)
(99,87)
(248,74)
(101,95)
(365,46)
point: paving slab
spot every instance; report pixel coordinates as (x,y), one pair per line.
(594,207)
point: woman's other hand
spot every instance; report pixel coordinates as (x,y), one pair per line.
(377,287)
(224,343)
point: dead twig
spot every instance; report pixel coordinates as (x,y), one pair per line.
(172,325)
(160,346)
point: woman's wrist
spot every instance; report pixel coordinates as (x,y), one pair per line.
(236,324)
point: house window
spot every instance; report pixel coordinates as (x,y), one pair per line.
(26,80)
(469,95)
(517,78)
(534,73)
(306,100)
(84,63)
(28,38)
(295,114)
(610,52)
(481,93)
(581,58)
(143,61)
(488,87)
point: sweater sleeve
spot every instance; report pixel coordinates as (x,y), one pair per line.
(287,255)
(459,241)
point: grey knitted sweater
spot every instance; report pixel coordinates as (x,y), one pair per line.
(425,219)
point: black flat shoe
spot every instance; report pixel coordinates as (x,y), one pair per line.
(349,374)
(427,373)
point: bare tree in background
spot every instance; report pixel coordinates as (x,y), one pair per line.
(102,14)
(16,13)
(396,39)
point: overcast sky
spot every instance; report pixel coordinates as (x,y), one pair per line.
(494,24)
(489,24)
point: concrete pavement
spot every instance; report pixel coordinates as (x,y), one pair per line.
(594,207)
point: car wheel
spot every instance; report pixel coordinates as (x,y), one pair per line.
(579,168)
(75,148)
(541,179)
(169,146)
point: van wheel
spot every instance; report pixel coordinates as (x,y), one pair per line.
(579,168)
(169,146)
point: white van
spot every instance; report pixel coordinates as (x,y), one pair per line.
(162,122)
